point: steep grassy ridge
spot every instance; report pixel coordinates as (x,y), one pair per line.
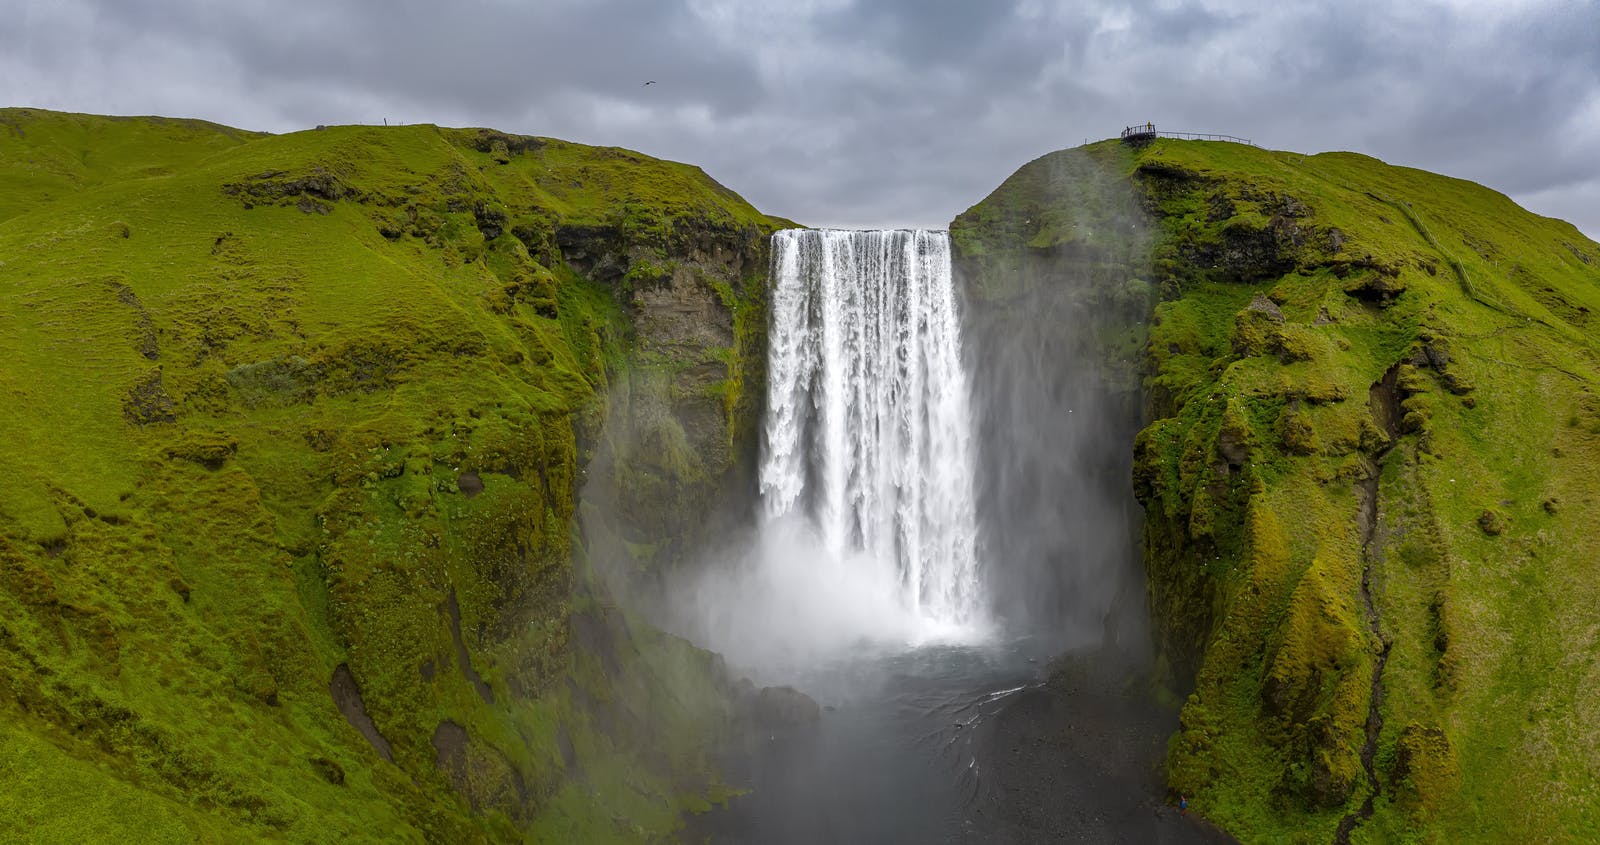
(294,430)
(1369,479)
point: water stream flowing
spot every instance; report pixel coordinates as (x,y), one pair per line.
(868,434)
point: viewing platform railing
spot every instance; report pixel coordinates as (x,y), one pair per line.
(1144,133)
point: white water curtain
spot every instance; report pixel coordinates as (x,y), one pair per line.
(869,427)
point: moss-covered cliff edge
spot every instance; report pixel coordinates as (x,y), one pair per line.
(1368,472)
(295,428)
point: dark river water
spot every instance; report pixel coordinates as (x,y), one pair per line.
(957,744)
(945,743)
(892,759)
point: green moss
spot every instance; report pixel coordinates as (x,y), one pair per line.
(1296,433)
(1425,770)
(1387,309)
(284,404)
(1290,286)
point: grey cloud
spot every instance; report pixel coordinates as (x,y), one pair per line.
(490,57)
(894,112)
(920,33)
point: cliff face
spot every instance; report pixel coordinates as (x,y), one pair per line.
(296,429)
(1054,267)
(1367,472)
(675,461)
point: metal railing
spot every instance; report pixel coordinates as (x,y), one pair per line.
(1146,132)
(1203,136)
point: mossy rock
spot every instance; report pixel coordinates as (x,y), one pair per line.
(1425,770)
(210,449)
(1296,433)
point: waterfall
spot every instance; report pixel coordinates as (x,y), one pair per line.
(868,434)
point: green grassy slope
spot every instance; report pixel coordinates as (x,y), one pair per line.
(1373,449)
(49,155)
(282,404)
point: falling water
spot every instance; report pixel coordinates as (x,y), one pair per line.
(869,427)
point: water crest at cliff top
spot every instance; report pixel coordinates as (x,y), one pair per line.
(868,434)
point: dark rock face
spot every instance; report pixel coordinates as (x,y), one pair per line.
(479,773)
(1261,304)
(311,191)
(144,329)
(491,221)
(774,708)
(675,462)
(463,659)
(347,697)
(1232,448)
(1244,250)
(147,401)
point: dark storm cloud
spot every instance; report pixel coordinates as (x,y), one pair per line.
(864,113)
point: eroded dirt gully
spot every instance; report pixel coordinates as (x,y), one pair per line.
(1384,400)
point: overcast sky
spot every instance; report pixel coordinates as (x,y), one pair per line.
(881,113)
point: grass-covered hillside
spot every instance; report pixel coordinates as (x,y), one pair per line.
(1371,479)
(293,432)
